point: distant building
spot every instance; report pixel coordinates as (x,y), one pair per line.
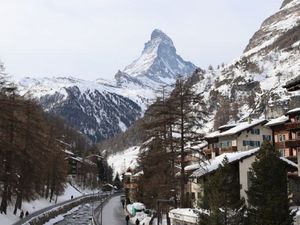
(130,182)
(286,134)
(237,137)
(286,140)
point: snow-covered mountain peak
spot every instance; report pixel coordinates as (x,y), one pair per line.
(159,63)
(159,38)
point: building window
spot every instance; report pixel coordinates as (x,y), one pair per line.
(281,137)
(193,195)
(256,143)
(255,131)
(251,143)
(267,138)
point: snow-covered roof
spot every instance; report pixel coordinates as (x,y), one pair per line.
(277,121)
(68,152)
(238,128)
(293,111)
(213,164)
(289,162)
(193,166)
(140,173)
(187,214)
(85,161)
(227,126)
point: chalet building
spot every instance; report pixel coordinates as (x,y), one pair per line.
(80,169)
(237,137)
(286,134)
(130,182)
(242,162)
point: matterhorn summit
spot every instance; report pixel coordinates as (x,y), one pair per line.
(159,63)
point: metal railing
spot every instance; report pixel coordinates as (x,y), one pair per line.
(54,210)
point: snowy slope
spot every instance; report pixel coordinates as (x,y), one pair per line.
(121,161)
(98,109)
(254,80)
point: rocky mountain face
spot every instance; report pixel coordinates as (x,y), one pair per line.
(98,110)
(252,85)
(101,109)
(159,64)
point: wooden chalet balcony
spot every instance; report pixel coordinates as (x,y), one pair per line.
(288,144)
(279,145)
(292,126)
(292,143)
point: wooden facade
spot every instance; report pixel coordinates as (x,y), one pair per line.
(287,135)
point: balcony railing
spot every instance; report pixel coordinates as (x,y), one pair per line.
(295,143)
(292,143)
(292,126)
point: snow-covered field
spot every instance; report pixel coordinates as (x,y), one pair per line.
(38,204)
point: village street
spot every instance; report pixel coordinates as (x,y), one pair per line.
(113,213)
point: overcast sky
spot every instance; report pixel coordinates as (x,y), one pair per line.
(94,38)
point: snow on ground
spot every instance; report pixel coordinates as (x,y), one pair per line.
(38,204)
(123,160)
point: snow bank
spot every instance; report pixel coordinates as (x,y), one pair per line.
(36,205)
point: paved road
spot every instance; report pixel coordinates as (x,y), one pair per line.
(113,213)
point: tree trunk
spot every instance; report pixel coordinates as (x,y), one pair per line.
(3,205)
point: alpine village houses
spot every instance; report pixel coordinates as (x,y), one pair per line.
(240,142)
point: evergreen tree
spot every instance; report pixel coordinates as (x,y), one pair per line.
(267,195)
(222,197)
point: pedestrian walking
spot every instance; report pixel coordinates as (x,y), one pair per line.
(22,214)
(137,222)
(127,219)
(27,213)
